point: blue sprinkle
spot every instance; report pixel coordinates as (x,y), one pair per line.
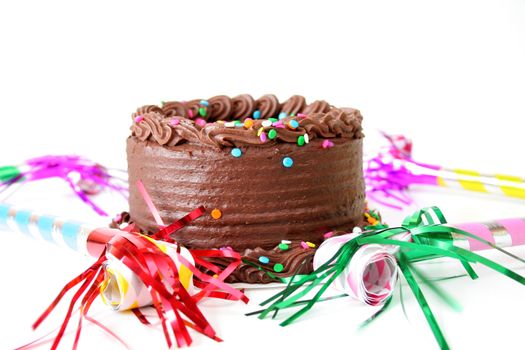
(264,259)
(236,152)
(204,103)
(294,124)
(282,115)
(256,114)
(287,162)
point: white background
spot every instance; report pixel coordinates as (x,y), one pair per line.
(450,74)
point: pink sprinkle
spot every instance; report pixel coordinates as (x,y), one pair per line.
(263,137)
(301,115)
(200,122)
(327,144)
(328,234)
(280,126)
(278,123)
(175,122)
(226,248)
(139,118)
(304,245)
(190,113)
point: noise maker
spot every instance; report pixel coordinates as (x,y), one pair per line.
(390,173)
(122,289)
(366,265)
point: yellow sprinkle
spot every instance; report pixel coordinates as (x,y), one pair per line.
(310,244)
(215,276)
(367,216)
(220,121)
(259,132)
(216,214)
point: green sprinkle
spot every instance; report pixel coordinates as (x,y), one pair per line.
(292,114)
(272,134)
(300,140)
(273,120)
(202,111)
(283,246)
(278,267)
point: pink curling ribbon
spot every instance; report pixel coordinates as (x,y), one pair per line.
(390,172)
(84,176)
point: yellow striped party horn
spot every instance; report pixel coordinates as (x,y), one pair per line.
(390,173)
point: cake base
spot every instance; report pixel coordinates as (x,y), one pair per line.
(296,260)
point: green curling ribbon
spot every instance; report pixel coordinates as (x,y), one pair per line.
(9,173)
(430,239)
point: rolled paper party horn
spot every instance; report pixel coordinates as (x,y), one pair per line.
(122,289)
(83,176)
(371,274)
(390,172)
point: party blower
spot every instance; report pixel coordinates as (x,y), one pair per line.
(133,270)
(365,265)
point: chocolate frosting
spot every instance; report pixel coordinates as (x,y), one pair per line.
(261,201)
(317,120)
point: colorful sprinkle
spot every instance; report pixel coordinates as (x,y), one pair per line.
(204,103)
(285,241)
(139,118)
(327,144)
(248,123)
(220,121)
(259,132)
(301,115)
(310,244)
(278,267)
(300,141)
(272,134)
(236,152)
(304,245)
(202,111)
(216,214)
(328,234)
(229,124)
(266,123)
(174,122)
(190,113)
(263,137)
(273,120)
(287,162)
(264,259)
(256,114)
(200,122)
(306,138)
(238,123)
(283,246)
(293,124)
(282,115)
(357,230)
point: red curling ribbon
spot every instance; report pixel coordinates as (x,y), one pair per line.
(164,233)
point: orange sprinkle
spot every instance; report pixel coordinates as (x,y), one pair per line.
(216,214)
(248,123)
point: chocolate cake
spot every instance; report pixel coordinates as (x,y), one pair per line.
(274,177)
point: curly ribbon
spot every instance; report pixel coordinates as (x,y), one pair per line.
(389,174)
(422,236)
(84,176)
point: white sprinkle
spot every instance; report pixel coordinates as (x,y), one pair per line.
(229,124)
(357,230)
(284,241)
(306,138)
(266,123)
